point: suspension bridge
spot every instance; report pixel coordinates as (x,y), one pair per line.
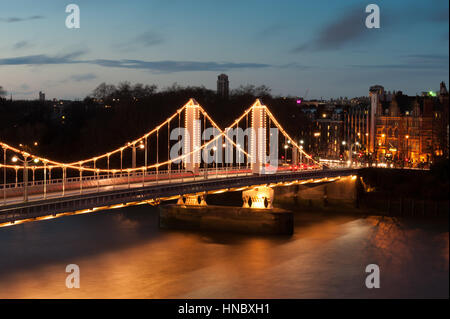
(162,165)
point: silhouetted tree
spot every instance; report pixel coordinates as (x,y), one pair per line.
(249,89)
(104,91)
(2,92)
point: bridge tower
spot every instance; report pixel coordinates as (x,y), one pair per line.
(258,140)
(193,139)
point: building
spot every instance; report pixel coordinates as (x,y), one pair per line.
(41,96)
(223,86)
(324,135)
(400,129)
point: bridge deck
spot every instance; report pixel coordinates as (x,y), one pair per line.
(139,192)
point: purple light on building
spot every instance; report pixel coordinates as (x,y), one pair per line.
(299,101)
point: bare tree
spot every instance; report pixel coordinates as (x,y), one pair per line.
(104,91)
(250,89)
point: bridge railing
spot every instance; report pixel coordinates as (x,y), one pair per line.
(121,175)
(55,188)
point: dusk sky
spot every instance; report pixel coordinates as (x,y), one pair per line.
(290,46)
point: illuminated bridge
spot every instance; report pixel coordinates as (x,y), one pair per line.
(167,163)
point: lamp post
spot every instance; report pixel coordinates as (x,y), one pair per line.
(350,151)
(133,156)
(407,148)
(215,159)
(301,152)
(224,145)
(285,153)
(4,176)
(25,162)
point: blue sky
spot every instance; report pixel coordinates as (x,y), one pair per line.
(291,46)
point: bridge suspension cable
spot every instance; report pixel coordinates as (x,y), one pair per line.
(117,172)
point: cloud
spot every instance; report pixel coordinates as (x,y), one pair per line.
(17,19)
(412,62)
(440,16)
(271,30)
(155,66)
(148,39)
(144,40)
(427,58)
(42,59)
(294,65)
(396,66)
(176,66)
(347,29)
(83,77)
(21,45)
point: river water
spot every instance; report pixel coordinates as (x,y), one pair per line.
(123,254)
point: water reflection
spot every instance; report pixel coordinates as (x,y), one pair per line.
(123,254)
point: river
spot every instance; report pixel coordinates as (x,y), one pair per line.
(123,254)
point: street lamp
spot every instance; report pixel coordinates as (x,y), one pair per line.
(25,163)
(301,153)
(407,147)
(215,155)
(350,150)
(285,152)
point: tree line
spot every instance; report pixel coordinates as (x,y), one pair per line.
(114,114)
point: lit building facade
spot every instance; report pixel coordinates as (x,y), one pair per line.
(400,129)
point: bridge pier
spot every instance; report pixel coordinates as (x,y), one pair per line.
(259,197)
(258,140)
(192,200)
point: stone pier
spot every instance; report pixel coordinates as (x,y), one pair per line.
(257,216)
(227,218)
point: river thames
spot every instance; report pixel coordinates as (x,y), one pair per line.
(124,254)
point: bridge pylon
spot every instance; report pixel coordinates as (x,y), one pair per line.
(258,139)
(193,137)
